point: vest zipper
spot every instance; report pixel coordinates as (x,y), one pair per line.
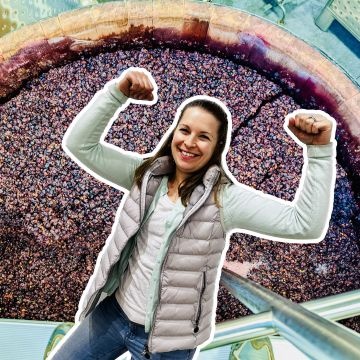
(146,348)
(198,313)
(146,352)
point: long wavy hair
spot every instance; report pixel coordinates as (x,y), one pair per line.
(187,186)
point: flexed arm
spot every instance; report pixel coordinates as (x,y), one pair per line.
(84,139)
(305,218)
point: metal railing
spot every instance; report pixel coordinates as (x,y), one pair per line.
(309,326)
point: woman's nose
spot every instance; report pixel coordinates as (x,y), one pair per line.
(189,142)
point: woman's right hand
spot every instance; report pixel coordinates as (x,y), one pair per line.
(136,85)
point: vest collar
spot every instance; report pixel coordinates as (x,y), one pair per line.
(164,165)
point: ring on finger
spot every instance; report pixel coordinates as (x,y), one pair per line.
(312,118)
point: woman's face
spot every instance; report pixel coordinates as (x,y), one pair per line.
(194,141)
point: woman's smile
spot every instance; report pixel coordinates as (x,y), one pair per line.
(187,155)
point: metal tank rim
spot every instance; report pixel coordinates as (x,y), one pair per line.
(217,29)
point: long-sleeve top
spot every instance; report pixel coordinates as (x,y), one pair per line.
(242,208)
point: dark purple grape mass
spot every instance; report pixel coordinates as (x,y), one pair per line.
(55,217)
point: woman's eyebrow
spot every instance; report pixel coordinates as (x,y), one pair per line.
(201,132)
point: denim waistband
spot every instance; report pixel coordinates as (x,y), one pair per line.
(113,298)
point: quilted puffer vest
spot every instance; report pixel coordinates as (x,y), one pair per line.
(184,313)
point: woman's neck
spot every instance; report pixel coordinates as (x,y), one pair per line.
(178,178)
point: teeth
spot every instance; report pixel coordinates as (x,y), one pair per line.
(186,153)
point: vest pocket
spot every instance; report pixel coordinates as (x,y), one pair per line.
(198,311)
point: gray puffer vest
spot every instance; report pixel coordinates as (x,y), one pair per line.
(184,308)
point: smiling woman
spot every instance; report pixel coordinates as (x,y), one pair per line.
(158,269)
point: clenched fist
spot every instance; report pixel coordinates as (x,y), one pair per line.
(311,128)
(136,85)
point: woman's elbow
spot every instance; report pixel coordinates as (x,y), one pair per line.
(309,230)
(73,149)
(313,233)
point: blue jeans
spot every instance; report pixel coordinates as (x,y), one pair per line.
(106,333)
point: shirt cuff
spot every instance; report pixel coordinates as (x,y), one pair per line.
(116,93)
(318,151)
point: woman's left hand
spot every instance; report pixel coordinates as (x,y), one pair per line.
(311,129)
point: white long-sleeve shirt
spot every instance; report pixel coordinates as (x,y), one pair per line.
(243,209)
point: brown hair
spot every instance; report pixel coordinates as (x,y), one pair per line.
(187,186)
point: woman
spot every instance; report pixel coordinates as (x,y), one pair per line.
(153,291)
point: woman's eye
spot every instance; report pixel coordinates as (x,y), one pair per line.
(186,131)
